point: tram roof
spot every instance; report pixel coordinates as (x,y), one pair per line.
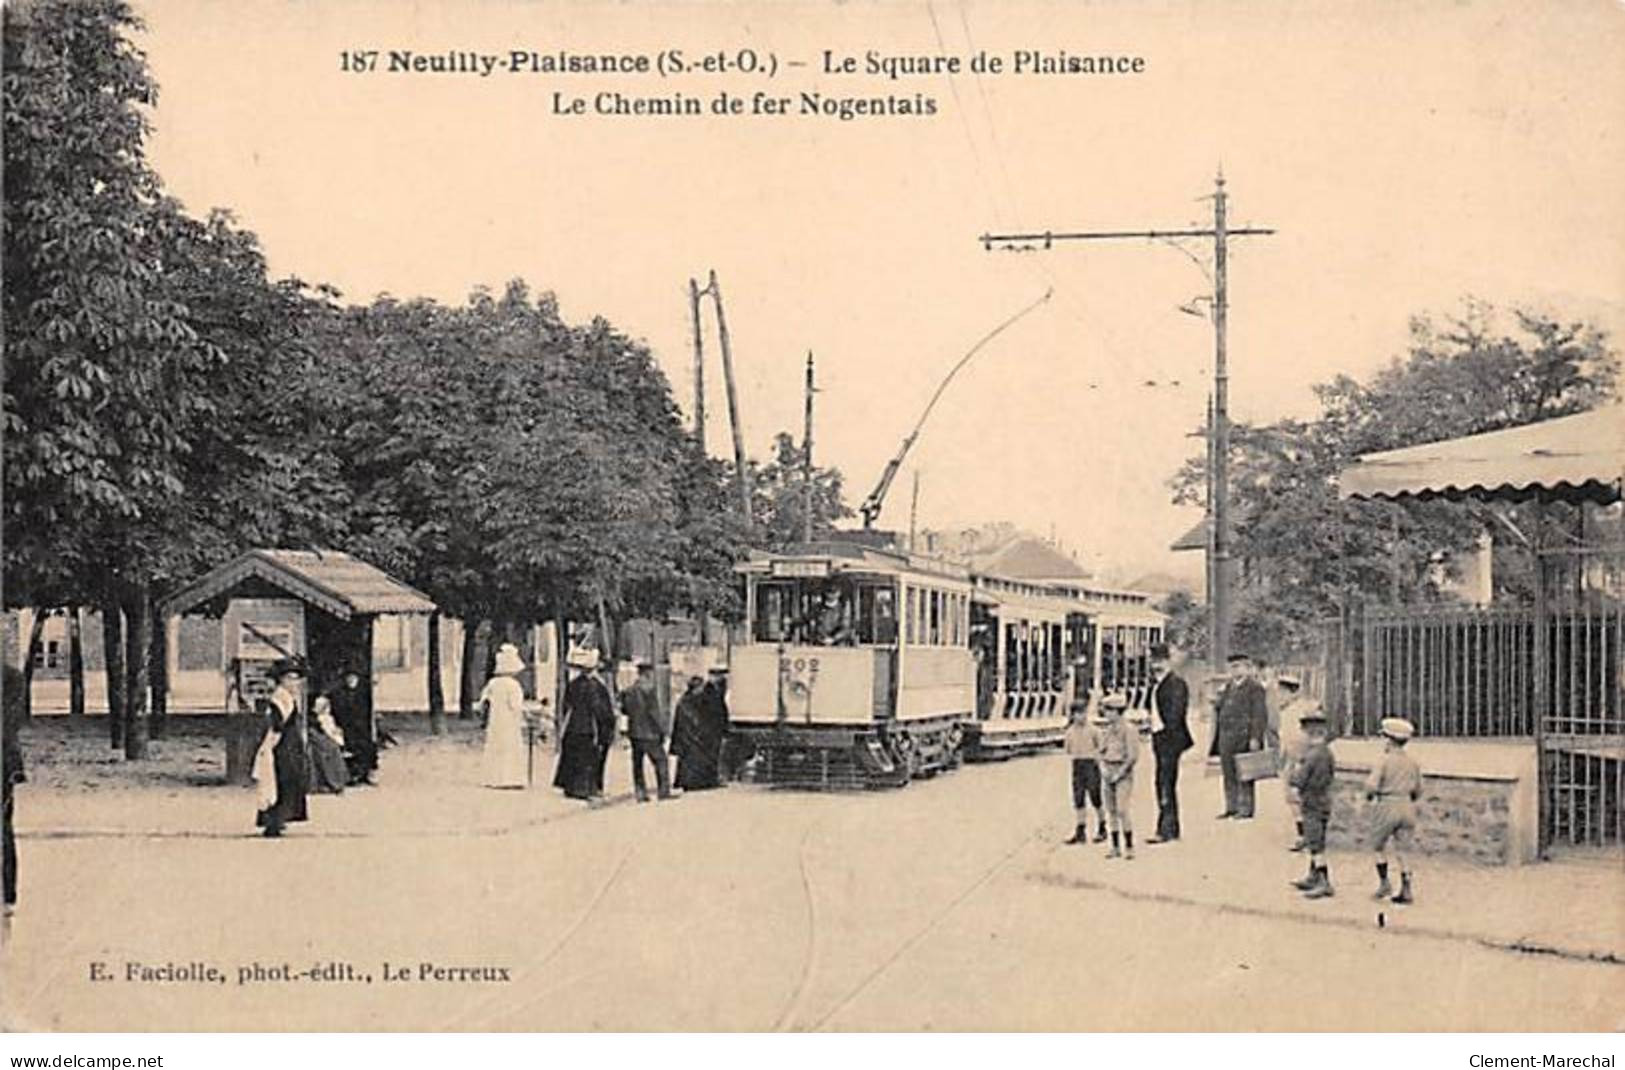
(854,557)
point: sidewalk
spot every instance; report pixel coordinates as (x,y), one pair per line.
(1571,908)
(428,787)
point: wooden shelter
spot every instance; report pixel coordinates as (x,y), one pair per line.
(318,605)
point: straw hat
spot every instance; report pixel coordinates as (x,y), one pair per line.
(1398,728)
(583,658)
(508,660)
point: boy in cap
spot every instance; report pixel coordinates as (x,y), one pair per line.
(1312,777)
(1119,748)
(1290,738)
(1394,786)
(1083,745)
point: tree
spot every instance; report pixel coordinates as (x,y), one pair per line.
(778,501)
(1304,552)
(140,340)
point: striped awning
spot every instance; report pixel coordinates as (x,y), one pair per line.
(332,581)
(1570,458)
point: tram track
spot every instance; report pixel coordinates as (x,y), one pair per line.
(810,955)
(931,924)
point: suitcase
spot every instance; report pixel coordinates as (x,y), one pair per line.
(1258,765)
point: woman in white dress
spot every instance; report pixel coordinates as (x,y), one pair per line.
(504,761)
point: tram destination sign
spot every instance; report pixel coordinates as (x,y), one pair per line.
(800,569)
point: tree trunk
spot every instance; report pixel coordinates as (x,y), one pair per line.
(159,667)
(138,648)
(30,652)
(113,657)
(76,667)
(437,690)
(561,650)
(473,664)
(606,646)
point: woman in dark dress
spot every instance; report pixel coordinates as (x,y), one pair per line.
(328,771)
(282,766)
(698,754)
(583,740)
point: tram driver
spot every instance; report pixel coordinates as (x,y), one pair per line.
(829,623)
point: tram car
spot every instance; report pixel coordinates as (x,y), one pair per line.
(865,666)
(1024,639)
(856,667)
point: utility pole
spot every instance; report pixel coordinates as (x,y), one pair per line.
(806,459)
(1207,550)
(699,364)
(742,473)
(1221,233)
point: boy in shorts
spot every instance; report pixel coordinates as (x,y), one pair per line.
(1312,777)
(1119,748)
(1083,746)
(1393,788)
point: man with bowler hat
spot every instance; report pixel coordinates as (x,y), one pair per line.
(1243,718)
(1167,698)
(646,727)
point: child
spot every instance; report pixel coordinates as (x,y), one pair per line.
(1119,747)
(1083,744)
(1312,777)
(1394,786)
(1290,738)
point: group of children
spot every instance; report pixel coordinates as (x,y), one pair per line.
(1104,746)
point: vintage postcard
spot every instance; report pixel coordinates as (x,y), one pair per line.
(816,516)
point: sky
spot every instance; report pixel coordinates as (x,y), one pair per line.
(1406,156)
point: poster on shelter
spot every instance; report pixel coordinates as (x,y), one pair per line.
(976,381)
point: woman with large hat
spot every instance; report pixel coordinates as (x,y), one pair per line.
(582,737)
(282,765)
(504,701)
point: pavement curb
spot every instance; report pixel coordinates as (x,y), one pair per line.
(1494,943)
(200,834)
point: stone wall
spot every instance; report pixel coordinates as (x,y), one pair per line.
(1469,817)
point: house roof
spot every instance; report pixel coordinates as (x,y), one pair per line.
(332,581)
(1028,558)
(1570,458)
(1194,539)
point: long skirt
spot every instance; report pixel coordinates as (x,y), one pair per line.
(578,766)
(698,762)
(328,772)
(292,776)
(503,762)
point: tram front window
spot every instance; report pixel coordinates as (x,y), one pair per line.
(826,612)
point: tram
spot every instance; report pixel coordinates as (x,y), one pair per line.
(865,666)
(1023,637)
(856,667)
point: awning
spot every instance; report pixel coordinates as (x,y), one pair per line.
(1570,458)
(332,581)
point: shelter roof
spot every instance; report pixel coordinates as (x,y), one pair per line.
(1569,458)
(328,579)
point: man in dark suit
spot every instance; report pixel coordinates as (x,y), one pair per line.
(646,727)
(1242,720)
(1167,698)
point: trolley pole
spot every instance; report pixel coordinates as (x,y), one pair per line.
(807,459)
(1221,233)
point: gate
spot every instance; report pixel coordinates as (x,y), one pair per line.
(1579,695)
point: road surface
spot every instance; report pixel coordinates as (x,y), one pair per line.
(738,909)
